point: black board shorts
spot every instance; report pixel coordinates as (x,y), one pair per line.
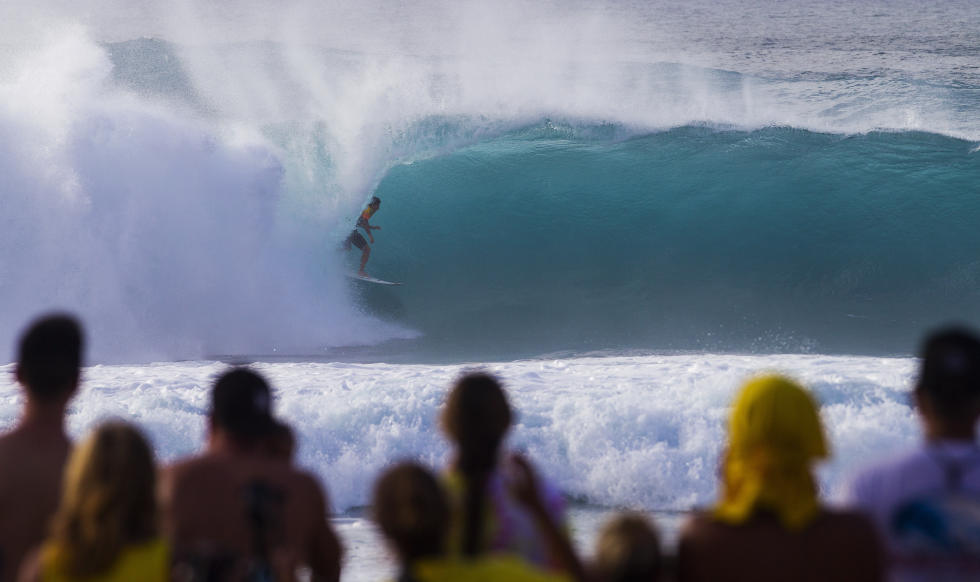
(356,239)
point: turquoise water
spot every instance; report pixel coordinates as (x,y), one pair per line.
(695,238)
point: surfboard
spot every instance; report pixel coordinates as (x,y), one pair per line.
(371,279)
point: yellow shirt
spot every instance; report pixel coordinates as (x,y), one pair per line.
(148,562)
(496,568)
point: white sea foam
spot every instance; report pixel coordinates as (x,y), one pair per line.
(640,432)
(161,230)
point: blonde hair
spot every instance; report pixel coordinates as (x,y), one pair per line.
(108,500)
(628,550)
(411,510)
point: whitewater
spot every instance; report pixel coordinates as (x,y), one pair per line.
(622,208)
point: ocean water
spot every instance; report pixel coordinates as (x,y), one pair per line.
(624,208)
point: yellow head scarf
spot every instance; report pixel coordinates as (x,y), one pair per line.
(774,436)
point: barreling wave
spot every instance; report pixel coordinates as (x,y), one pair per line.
(187,201)
(558,237)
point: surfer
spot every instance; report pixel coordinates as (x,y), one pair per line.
(356,239)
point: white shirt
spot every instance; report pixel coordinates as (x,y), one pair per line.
(926,506)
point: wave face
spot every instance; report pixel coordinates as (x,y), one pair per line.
(777,239)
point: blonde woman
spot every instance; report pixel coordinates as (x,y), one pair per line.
(106,528)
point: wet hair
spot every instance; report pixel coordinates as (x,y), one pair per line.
(476,417)
(375,201)
(241,405)
(108,500)
(628,550)
(949,375)
(49,357)
(411,510)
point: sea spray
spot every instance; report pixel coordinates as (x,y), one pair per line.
(159,230)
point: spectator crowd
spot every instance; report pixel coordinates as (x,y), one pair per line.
(102,510)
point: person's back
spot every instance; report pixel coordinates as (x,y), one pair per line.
(33,454)
(223,504)
(236,508)
(106,528)
(926,502)
(835,546)
(769,523)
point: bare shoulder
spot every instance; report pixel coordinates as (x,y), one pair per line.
(307,485)
(180,469)
(846,526)
(700,527)
(192,472)
(14,444)
(39,455)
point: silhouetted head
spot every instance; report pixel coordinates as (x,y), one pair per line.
(949,376)
(476,418)
(375,202)
(411,510)
(775,435)
(49,358)
(241,406)
(108,500)
(628,550)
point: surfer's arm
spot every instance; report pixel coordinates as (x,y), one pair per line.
(363,223)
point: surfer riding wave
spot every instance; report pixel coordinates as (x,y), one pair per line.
(356,239)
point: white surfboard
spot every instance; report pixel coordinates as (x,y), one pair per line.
(371,279)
